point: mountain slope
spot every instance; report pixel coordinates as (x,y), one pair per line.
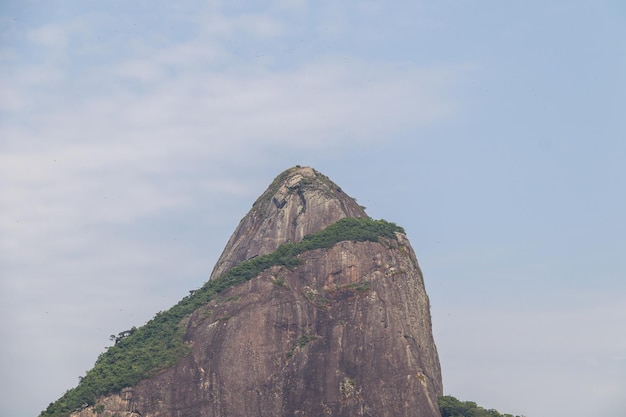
(337,324)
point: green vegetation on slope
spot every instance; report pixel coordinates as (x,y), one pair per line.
(451,407)
(141,353)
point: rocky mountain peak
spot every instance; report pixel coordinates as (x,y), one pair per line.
(335,323)
(300,201)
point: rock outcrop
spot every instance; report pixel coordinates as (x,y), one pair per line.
(347,332)
(299,202)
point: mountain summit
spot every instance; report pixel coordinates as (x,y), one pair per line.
(299,202)
(313,309)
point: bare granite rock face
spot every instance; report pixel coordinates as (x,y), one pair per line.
(299,202)
(345,333)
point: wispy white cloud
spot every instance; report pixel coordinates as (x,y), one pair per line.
(97,152)
(52,36)
(99,155)
(290,4)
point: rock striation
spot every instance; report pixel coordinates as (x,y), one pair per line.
(346,332)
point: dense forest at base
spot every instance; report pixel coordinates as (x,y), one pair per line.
(140,353)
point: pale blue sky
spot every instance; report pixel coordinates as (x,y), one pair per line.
(135,135)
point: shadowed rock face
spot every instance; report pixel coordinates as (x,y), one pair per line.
(345,333)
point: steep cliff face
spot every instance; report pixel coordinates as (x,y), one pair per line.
(347,332)
(299,202)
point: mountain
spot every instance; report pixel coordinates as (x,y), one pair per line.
(313,309)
